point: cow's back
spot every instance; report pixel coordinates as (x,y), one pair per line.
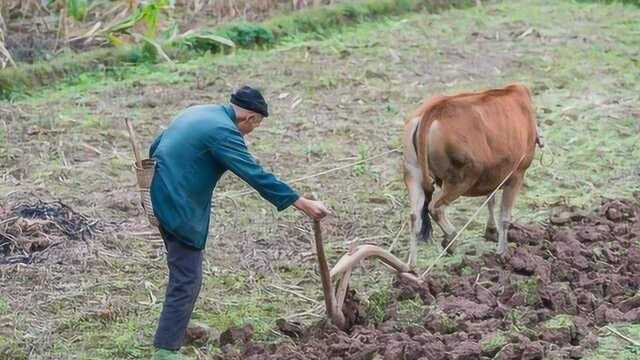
(481,135)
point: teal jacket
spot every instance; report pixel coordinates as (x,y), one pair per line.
(200,145)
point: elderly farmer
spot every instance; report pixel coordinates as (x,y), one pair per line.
(191,155)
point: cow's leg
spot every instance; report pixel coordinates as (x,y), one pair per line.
(509,195)
(491,232)
(441,199)
(420,221)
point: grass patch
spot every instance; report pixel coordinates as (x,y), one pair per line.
(120,340)
(241,305)
(378,301)
(411,312)
(258,312)
(28,76)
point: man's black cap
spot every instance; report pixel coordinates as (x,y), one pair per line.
(251,99)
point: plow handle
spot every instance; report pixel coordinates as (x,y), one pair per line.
(334,313)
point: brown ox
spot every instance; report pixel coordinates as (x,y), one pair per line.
(466,145)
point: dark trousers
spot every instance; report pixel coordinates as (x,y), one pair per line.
(185,280)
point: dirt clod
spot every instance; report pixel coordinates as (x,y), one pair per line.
(606,314)
(291,329)
(198,333)
(467,350)
(236,335)
(629,304)
(632,316)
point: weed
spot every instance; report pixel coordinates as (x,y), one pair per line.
(363,167)
(378,301)
(410,312)
(529,288)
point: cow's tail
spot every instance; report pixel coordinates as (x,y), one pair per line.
(539,141)
(426,230)
(422,117)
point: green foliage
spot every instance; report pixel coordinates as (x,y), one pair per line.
(206,41)
(242,34)
(248,34)
(378,303)
(363,167)
(149,13)
(77,9)
(327,19)
(154,41)
(411,312)
(633,350)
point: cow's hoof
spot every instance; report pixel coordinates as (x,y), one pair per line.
(445,242)
(491,234)
(502,251)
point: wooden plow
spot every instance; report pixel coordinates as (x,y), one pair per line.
(334,299)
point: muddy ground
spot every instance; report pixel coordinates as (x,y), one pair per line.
(546,299)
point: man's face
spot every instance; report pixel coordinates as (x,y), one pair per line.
(249,123)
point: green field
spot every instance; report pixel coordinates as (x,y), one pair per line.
(335,99)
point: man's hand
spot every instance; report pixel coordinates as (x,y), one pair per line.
(314,209)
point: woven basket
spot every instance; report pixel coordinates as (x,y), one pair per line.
(144,175)
(144,169)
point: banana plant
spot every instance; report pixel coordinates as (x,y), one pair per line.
(5,56)
(151,15)
(77,9)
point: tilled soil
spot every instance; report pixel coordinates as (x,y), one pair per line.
(543,300)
